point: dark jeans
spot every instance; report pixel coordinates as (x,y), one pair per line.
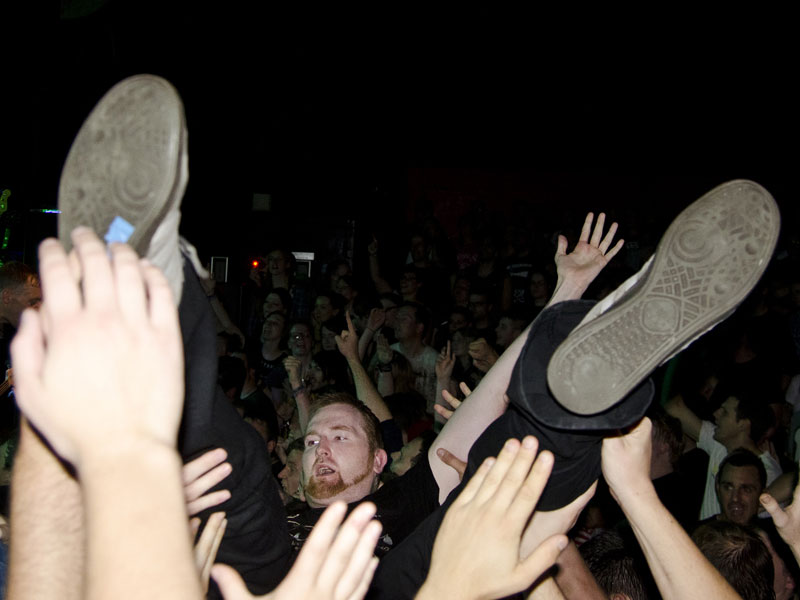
(256,541)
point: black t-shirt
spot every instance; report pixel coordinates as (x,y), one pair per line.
(402,504)
(271,373)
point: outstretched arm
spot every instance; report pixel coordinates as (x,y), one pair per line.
(679,568)
(786,521)
(79,374)
(576,271)
(347,343)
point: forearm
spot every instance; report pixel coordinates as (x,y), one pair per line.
(364,342)
(381,285)
(476,413)
(47,542)
(574,578)
(303,402)
(546,589)
(138,543)
(366,391)
(679,568)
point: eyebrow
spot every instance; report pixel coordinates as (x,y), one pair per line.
(334,428)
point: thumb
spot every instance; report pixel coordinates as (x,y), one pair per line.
(541,559)
(452,461)
(779,516)
(230,583)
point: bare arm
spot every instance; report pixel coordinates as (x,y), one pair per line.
(679,568)
(299,391)
(365,389)
(574,578)
(47,553)
(381,285)
(576,271)
(690,422)
(116,426)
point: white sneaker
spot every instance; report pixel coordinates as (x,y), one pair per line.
(709,259)
(126,173)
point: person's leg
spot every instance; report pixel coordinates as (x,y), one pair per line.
(124,177)
(576,450)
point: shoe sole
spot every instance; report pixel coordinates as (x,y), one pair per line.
(709,259)
(125,162)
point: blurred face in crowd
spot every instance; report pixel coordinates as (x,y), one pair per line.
(479,307)
(278,263)
(456,322)
(314,377)
(506,332)
(291,473)
(273,303)
(419,249)
(390,308)
(338,463)
(726,422)
(273,327)
(461,292)
(300,342)
(343,288)
(328,339)
(738,489)
(18,298)
(539,289)
(406,326)
(323,309)
(409,284)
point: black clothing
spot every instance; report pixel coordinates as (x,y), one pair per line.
(256,540)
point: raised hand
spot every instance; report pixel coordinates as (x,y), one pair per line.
(347,341)
(384,350)
(591,254)
(333,565)
(79,361)
(452,401)
(200,475)
(477,549)
(787,521)
(293,366)
(376,319)
(444,365)
(482,354)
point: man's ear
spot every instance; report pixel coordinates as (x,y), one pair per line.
(6,296)
(380,460)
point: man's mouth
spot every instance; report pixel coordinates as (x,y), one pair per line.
(324,470)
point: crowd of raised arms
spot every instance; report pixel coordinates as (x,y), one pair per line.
(381,433)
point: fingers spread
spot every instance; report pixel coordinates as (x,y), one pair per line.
(587,227)
(597,234)
(464,389)
(202,464)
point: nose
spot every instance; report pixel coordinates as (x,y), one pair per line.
(284,473)
(323,449)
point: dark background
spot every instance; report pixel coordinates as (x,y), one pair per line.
(371,116)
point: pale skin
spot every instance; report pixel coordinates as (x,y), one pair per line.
(100,336)
(477,554)
(576,270)
(678,567)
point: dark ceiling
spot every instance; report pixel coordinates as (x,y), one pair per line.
(336,111)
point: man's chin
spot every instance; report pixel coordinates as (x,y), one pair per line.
(317,490)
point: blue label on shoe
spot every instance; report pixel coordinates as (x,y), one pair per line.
(119,231)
